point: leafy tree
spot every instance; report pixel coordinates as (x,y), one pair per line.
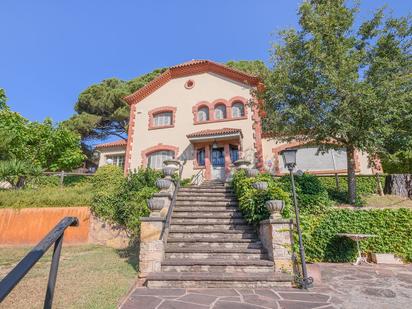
(101,111)
(3,98)
(41,145)
(333,83)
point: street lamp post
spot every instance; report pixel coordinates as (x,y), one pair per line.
(289,158)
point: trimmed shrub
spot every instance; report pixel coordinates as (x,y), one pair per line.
(392,227)
(252,201)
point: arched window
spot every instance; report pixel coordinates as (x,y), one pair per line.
(203,114)
(162,119)
(220,111)
(155,159)
(238,110)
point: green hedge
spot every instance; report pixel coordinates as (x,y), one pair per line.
(393,228)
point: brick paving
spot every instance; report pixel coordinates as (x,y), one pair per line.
(341,286)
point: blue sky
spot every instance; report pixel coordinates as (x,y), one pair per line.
(52,50)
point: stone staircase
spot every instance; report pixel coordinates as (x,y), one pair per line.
(210,245)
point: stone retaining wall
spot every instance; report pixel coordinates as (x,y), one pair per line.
(27,226)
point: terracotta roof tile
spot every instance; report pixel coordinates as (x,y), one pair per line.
(222,131)
(120,142)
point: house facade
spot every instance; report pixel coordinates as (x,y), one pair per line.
(199,112)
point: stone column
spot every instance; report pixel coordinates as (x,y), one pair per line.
(276,237)
(151,245)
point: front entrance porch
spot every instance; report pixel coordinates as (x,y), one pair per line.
(215,151)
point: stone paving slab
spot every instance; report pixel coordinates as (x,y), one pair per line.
(341,286)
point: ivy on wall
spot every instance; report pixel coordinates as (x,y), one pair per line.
(320,222)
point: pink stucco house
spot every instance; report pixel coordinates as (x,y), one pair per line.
(199,113)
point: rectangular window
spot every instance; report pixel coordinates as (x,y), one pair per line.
(117,160)
(201,157)
(234,153)
(162,119)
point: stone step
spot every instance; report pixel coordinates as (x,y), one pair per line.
(216,255)
(206,199)
(210,235)
(199,227)
(209,265)
(206,215)
(213,209)
(217,280)
(207,203)
(205,190)
(215,243)
(209,221)
(174,252)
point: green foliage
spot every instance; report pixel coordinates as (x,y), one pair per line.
(101,111)
(3,98)
(253,67)
(123,200)
(393,228)
(252,201)
(47,196)
(399,162)
(43,145)
(312,195)
(16,172)
(366,185)
(334,82)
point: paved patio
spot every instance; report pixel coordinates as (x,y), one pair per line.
(341,286)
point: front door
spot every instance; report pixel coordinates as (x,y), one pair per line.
(218,163)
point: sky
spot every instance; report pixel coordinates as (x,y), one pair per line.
(53,50)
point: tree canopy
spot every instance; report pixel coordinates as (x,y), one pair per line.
(41,144)
(336,84)
(101,111)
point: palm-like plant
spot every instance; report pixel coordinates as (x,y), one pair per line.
(16,172)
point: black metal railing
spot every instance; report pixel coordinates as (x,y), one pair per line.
(172,204)
(22,268)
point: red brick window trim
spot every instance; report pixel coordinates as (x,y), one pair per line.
(160,147)
(217,104)
(189,84)
(158,112)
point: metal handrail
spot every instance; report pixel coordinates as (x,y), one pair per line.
(172,204)
(196,177)
(22,268)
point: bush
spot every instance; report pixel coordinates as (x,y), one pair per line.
(252,201)
(17,172)
(312,195)
(365,185)
(392,227)
(123,200)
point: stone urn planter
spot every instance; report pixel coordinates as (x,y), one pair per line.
(172,163)
(168,171)
(163,184)
(155,205)
(260,185)
(275,208)
(252,172)
(241,164)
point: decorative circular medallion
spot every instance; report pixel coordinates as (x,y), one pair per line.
(190,84)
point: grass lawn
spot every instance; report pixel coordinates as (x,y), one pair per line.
(89,276)
(387,201)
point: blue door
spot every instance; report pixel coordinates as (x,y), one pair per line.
(218,163)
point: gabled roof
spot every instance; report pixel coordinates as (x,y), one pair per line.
(119,143)
(190,68)
(216,132)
